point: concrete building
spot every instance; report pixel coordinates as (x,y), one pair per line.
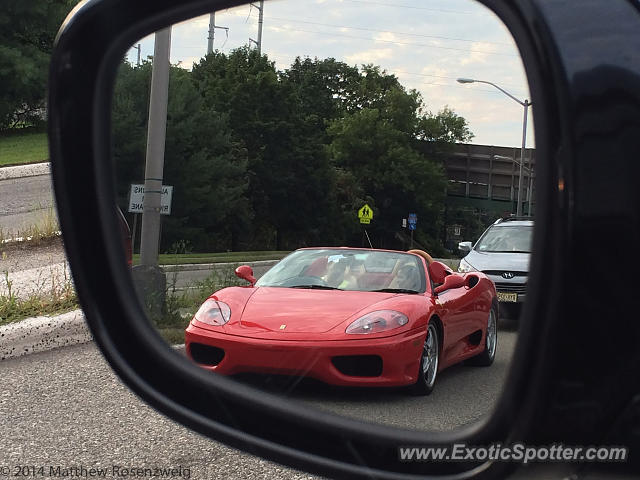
(483,185)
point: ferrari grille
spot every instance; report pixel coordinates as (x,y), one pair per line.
(358,365)
(205,354)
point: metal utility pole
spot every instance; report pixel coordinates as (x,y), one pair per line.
(137,47)
(524,141)
(149,278)
(526,104)
(212,28)
(260,21)
(529,190)
(156,134)
(212,32)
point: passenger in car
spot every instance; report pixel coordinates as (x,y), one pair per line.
(353,276)
(407,278)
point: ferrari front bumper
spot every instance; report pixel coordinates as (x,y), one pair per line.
(388,361)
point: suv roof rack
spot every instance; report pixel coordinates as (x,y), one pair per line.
(512,219)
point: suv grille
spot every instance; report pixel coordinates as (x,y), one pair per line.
(500,272)
(511,287)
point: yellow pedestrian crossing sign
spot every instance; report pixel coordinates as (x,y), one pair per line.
(365,214)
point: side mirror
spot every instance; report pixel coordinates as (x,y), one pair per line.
(465,247)
(245,272)
(452,281)
(438,272)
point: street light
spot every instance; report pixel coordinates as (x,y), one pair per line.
(526,104)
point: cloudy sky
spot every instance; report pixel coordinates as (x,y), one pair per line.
(427,44)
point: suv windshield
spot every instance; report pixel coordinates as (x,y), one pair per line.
(362,270)
(516,238)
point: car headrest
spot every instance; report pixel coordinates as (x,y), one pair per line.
(423,254)
(318,268)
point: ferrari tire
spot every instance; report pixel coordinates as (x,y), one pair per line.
(429,359)
(488,355)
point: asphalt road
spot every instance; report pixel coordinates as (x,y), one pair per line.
(462,394)
(26,202)
(66,408)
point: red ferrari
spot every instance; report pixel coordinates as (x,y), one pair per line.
(345,316)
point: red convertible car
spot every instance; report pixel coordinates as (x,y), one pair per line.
(345,316)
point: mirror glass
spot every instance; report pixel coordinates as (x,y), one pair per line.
(270,136)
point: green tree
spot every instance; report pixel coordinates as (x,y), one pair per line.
(267,159)
(203,161)
(400,179)
(391,147)
(322,88)
(437,134)
(289,171)
(27,31)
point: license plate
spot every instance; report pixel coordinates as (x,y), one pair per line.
(507,297)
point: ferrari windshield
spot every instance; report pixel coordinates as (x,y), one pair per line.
(506,239)
(346,269)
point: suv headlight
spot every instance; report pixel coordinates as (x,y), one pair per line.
(465,267)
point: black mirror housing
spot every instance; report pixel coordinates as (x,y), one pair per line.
(587,98)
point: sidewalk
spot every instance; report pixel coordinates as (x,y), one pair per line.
(35,281)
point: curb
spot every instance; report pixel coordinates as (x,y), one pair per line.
(31,170)
(40,334)
(210,266)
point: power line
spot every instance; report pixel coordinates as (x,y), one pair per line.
(409,34)
(286,27)
(394,5)
(404,43)
(437,37)
(455,78)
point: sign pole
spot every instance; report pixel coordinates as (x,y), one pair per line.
(413,220)
(135,228)
(365,232)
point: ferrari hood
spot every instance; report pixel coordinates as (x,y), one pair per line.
(302,310)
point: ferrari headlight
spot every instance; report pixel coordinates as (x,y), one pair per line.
(379,321)
(465,267)
(213,312)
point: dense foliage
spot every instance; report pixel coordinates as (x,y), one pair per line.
(27,31)
(263,159)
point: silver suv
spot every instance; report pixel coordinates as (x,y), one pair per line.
(502,253)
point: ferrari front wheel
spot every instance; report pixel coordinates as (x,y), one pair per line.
(428,362)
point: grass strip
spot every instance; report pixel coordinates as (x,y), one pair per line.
(13,309)
(20,149)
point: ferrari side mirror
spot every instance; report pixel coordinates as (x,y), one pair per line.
(438,272)
(245,272)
